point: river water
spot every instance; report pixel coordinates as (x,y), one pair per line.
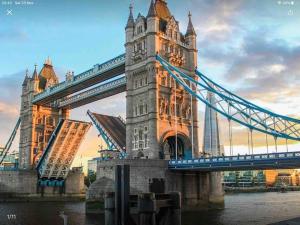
(240,209)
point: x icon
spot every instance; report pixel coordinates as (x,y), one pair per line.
(9,12)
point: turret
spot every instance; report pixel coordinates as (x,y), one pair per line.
(35,79)
(130,25)
(191,39)
(26,79)
(152,19)
(191,34)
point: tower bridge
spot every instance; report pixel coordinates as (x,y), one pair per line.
(160,136)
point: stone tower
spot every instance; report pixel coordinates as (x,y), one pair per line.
(37,122)
(161,116)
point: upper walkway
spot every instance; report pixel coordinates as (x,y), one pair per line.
(97,74)
(281,160)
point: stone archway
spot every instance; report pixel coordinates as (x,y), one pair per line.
(168,145)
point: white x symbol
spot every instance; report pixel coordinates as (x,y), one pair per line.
(9,12)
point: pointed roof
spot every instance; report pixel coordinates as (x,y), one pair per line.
(47,73)
(190,29)
(162,9)
(35,74)
(152,11)
(130,22)
(26,78)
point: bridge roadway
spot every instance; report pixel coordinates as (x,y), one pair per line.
(281,160)
(97,74)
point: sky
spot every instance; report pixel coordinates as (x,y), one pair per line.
(250,47)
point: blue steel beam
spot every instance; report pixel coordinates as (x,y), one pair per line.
(97,74)
(282,160)
(235,108)
(111,145)
(5,150)
(102,91)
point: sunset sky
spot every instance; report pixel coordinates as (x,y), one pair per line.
(250,47)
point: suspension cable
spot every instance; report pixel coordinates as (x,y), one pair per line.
(251,132)
(249,151)
(275,138)
(267,144)
(192,121)
(230,137)
(175,108)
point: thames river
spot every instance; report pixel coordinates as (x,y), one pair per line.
(240,209)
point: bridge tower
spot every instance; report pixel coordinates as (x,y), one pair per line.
(161,116)
(37,122)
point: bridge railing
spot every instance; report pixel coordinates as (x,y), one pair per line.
(96,70)
(280,155)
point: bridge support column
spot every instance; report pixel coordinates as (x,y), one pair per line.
(193,185)
(216,191)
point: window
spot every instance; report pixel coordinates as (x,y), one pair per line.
(139,29)
(146,108)
(136,84)
(146,80)
(141,109)
(140,135)
(163,81)
(146,140)
(139,46)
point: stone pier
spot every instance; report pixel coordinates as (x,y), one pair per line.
(150,175)
(22,185)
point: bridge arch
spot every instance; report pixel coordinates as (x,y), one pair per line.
(168,145)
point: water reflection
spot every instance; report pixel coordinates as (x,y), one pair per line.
(240,209)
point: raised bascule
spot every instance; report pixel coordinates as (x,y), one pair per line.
(159,139)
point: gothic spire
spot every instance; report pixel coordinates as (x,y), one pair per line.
(190,29)
(26,78)
(130,22)
(152,11)
(35,74)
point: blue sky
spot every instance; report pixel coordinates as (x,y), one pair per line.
(251,47)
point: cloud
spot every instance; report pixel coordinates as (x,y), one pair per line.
(12,34)
(268,70)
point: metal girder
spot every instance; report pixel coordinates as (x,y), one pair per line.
(281,160)
(234,107)
(62,147)
(89,77)
(5,149)
(102,91)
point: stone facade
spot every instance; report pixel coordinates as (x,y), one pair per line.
(156,106)
(37,122)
